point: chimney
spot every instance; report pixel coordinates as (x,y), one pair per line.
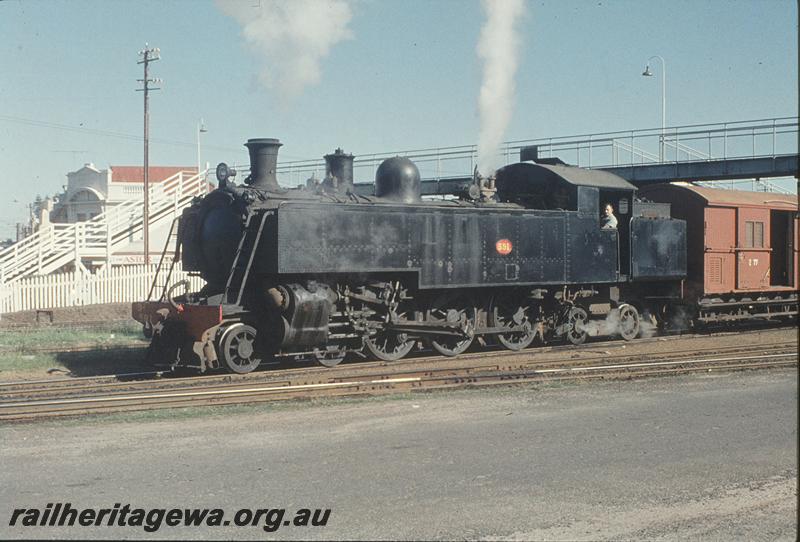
(263,163)
(340,165)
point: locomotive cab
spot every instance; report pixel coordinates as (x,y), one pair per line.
(558,187)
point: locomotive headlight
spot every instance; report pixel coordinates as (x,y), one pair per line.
(224,173)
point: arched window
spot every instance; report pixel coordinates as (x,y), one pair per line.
(84,195)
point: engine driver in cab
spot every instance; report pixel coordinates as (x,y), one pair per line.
(609,221)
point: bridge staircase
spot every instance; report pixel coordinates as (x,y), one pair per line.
(56,245)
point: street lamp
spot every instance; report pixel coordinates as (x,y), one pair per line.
(201,129)
(648,73)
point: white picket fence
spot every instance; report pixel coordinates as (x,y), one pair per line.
(75,288)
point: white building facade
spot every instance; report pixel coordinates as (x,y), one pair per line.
(90,191)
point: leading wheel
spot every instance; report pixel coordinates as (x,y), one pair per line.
(628,322)
(507,312)
(577,319)
(236,348)
(459,313)
(330,355)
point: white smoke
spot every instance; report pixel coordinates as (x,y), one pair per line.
(498,49)
(292,37)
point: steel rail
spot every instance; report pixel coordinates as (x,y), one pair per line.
(493,349)
(379,387)
(342,371)
(391,381)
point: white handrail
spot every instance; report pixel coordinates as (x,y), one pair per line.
(57,244)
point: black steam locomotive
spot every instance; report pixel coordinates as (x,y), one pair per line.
(325,271)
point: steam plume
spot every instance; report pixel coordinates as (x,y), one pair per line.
(498,48)
(292,37)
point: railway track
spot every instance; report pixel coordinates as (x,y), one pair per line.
(141,344)
(70,397)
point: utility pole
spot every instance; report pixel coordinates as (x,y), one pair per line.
(148,55)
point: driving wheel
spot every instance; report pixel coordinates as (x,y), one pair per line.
(506,312)
(628,322)
(390,345)
(577,319)
(459,312)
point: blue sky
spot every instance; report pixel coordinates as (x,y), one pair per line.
(408,78)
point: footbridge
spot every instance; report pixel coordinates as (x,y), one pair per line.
(741,154)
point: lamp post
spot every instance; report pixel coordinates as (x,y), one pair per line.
(201,129)
(648,73)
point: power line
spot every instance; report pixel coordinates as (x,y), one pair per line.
(130,137)
(106,133)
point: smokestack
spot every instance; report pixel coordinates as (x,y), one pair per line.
(263,163)
(340,165)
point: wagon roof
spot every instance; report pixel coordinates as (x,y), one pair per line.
(578,176)
(739,198)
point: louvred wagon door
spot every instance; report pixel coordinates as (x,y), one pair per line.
(752,253)
(719,260)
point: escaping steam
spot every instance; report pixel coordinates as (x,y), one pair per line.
(292,37)
(498,49)
(611,326)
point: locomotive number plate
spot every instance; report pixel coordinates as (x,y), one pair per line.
(503,247)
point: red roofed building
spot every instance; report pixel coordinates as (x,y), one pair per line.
(135,174)
(90,190)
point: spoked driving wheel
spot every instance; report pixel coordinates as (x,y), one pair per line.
(628,322)
(388,344)
(577,319)
(458,312)
(236,348)
(507,312)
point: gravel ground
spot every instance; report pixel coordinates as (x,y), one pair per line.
(112,313)
(711,457)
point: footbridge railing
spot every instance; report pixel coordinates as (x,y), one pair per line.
(55,245)
(770,137)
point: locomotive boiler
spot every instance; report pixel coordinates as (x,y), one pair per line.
(324,271)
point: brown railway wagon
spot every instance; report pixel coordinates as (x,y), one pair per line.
(742,246)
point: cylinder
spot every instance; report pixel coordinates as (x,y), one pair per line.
(397,179)
(339,166)
(263,163)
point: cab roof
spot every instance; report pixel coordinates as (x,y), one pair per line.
(570,174)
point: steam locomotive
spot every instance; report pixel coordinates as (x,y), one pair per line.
(324,271)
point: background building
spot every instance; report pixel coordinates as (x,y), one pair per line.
(91,191)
